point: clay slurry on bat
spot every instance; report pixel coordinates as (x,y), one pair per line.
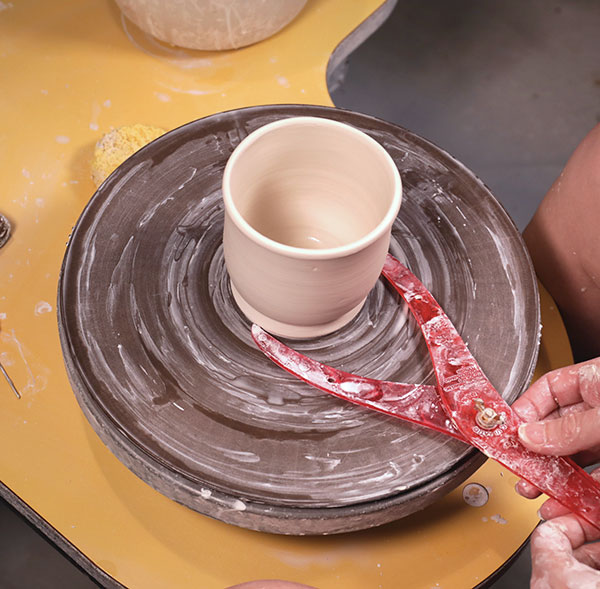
(144,293)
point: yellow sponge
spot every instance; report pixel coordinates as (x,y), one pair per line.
(117,145)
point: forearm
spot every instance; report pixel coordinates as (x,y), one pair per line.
(564,241)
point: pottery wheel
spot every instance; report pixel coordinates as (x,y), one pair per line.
(164,367)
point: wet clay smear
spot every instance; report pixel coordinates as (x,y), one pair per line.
(164,366)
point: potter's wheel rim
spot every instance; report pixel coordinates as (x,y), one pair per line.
(254,513)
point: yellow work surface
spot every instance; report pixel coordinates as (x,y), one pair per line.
(70,71)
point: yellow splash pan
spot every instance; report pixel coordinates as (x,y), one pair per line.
(71,71)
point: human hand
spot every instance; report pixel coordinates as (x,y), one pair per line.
(561,557)
(564,406)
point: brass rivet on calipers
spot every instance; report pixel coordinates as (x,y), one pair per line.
(486,417)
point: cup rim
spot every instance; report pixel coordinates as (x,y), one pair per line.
(309,253)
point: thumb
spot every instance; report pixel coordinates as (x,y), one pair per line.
(563,436)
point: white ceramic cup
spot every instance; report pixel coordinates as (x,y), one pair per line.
(309,208)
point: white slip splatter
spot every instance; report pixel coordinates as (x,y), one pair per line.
(283,81)
(37,379)
(96,110)
(328,464)
(589,373)
(62,139)
(42,307)
(240,455)
(192,91)
(498,519)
